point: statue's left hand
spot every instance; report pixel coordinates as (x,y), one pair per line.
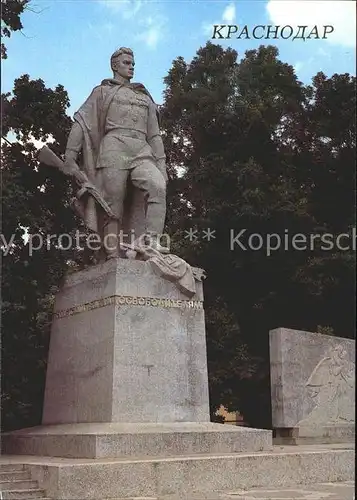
(88,185)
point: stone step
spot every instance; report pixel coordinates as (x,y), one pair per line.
(130,440)
(18,484)
(11,467)
(21,475)
(24,494)
(327,491)
(182,476)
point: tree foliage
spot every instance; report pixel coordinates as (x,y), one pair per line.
(260,151)
(11,11)
(35,202)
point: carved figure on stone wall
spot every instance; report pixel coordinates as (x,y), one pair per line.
(331,385)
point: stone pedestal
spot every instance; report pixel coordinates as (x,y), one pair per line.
(126,409)
(126,346)
(133,441)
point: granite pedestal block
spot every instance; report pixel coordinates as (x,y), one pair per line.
(127,373)
(126,346)
(130,440)
(312,387)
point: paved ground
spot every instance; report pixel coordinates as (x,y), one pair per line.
(324,491)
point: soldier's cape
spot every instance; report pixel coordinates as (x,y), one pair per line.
(92,117)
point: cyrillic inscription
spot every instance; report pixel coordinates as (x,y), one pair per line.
(122,300)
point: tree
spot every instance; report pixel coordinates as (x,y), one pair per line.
(35,202)
(11,11)
(323,147)
(233,128)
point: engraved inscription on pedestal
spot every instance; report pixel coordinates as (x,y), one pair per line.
(121,300)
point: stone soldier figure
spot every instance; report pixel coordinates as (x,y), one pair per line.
(117,132)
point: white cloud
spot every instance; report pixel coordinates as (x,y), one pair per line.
(229,13)
(153,30)
(207,28)
(108,27)
(340,15)
(127,8)
(151,37)
(148,24)
(323,53)
(228,16)
(99,30)
(298,66)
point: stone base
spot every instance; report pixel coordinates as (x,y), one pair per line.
(84,479)
(126,346)
(121,440)
(323,434)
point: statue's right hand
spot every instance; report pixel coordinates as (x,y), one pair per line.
(74,170)
(70,164)
(70,156)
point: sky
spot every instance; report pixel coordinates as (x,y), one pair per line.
(70,42)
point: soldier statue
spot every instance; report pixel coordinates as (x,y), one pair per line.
(116,141)
(116,133)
